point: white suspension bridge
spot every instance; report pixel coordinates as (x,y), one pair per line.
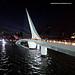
(37,42)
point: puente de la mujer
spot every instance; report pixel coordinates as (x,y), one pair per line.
(37,42)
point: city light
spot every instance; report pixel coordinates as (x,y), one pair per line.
(73,44)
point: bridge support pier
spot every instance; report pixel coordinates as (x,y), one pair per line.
(43,50)
(31,44)
(38,47)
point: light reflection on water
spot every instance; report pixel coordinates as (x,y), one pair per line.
(3,59)
(36,63)
(3,45)
(31,63)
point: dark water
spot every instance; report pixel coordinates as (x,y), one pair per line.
(15,60)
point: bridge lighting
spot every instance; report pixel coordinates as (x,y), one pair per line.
(73,44)
(59,41)
(50,41)
(65,43)
(54,41)
(69,43)
(47,40)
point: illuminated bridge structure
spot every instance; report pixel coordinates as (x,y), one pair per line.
(42,45)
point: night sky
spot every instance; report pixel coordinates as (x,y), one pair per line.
(47,18)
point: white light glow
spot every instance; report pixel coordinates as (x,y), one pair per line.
(72,37)
(3,45)
(0,40)
(73,44)
(31,44)
(54,41)
(3,41)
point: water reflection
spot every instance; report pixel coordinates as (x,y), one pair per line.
(19,61)
(3,59)
(35,61)
(3,45)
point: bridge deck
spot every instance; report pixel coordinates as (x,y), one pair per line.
(67,49)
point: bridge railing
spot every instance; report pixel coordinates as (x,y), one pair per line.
(65,42)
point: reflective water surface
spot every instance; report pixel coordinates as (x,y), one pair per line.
(19,61)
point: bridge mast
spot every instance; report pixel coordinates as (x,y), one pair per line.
(34,33)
